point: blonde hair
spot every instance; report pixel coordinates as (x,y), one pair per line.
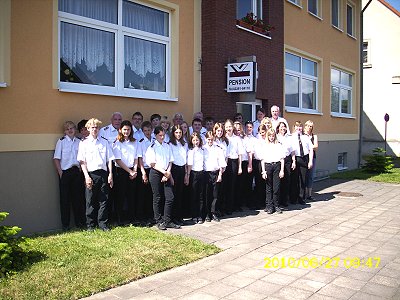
(68,124)
(311,124)
(267,122)
(93,121)
(270,132)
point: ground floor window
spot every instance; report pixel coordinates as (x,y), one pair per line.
(248,109)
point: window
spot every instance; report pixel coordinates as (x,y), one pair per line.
(301,81)
(248,109)
(5,50)
(335,10)
(366,54)
(244,7)
(313,7)
(114,47)
(342,161)
(350,19)
(341,93)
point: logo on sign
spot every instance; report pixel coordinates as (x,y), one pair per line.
(240,77)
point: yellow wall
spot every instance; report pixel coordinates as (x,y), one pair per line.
(317,38)
(31,106)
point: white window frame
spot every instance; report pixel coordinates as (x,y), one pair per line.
(353,19)
(339,15)
(301,76)
(342,87)
(120,31)
(368,63)
(295,2)
(256,9)
(342,156)
(318,7)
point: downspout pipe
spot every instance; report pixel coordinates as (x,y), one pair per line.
(361,82)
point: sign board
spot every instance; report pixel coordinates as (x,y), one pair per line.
(240,77)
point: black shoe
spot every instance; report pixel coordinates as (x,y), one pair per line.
(215,218)
(172,225)
(200,221)
(301,202)
(161,226)
(179,222)
(278,210)
(269,211)
(105,228)
(310,198)
(208,219)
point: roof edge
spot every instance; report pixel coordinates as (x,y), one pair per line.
(390,7)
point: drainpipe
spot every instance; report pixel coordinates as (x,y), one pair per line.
(361,81)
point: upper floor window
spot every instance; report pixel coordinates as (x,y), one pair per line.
(335,11)
(350,19)
(314,7)
(341,92)
(366,54)
(243,7)
(301,82)
(297,2)
(114,47)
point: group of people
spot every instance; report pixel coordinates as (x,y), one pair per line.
(162,172)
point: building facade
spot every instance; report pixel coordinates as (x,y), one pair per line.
(322,76)
(381,82)
(72,60)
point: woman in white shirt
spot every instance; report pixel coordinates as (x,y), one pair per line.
(179,152)
(125,150)
(272,170)
(195,176)
(221,141)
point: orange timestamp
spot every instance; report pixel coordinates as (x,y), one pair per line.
(321,262)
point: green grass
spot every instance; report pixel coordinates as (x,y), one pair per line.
(80,263)
(391,177)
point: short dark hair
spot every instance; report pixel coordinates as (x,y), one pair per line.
(158,129)
(146,124)
(138,113)
(155,116)
(82,124)
(196,120)
(261,109)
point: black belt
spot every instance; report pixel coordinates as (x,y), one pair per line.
(73,168)
(273,163)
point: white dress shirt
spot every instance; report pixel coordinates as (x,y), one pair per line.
(214,158)
(95,153)
(306,142)
(287,143)
(272,152)
(195,158)
(66,151)
(235,147)
(179,153)
(109,133)
(277,121)
(137,133)
(127,152)
(223,146)
(144,144)
(249,142)
(160,155)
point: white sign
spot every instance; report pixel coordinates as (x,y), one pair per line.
(240,77)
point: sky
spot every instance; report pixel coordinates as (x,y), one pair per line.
(394,3)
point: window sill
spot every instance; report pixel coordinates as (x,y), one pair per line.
(337,28)
(3,84)
(302,111)
(338,115)
(254,32)
(109,91)
(352,36)
(367,66)
(315,16)
(295,4)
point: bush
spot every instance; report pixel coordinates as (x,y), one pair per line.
(378,162)
(12,255)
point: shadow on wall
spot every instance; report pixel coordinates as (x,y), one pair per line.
(372,138)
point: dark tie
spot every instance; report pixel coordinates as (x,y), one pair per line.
(301,146)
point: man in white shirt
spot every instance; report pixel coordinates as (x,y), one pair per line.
(276,119)
(137,120)
(95,156)
(110,132)
(260,114)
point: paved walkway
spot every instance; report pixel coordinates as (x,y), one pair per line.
(335,225)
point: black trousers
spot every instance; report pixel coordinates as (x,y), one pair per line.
(125,189)
(162,193)
(70,185)
(272,184)
(285,182)
(144,197)
(260,184)
(211,192)
(298,179)
(246,186)
(231,191)
(97,199)
(178,173)
(197,203)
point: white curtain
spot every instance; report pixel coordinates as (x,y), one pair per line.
(144,56)
(144,18)
(103,10)
(95,47)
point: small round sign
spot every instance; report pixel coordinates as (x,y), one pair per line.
(386,118)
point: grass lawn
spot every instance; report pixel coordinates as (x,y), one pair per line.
(392,177)
(80,263)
